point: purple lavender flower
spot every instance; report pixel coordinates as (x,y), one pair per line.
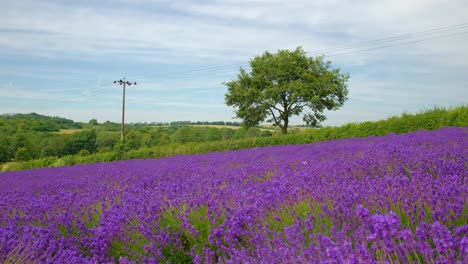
(398,198)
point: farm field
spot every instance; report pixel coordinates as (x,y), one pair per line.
(391,199)
(67,131)
(262,127)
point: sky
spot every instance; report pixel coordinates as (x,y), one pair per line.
(60,58)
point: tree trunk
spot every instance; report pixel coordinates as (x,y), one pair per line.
(284,128)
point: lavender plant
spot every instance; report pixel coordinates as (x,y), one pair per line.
(392,199)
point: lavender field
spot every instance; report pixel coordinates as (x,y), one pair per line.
(392,199)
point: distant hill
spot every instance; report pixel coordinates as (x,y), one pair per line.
(37,122)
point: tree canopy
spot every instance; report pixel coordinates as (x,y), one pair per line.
(285,84)
(32,136)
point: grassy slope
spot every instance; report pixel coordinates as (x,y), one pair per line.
(427,120)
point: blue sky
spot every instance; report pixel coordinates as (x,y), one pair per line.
(60,58)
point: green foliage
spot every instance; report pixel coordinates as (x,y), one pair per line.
(39,122)
(198,218)
(6,152)
(266,133)
(105,150)
(216,123)
(186,134)
(245,132)
(131,245)
(22,154)
(84,153)
(132,140)
(158,145)
(132,250)
(285,215)
(33,132)
(85,139)
(93,122)
(48,151)
(106,139)
(285,84)
(15,133)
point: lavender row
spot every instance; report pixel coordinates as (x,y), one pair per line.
(398,198)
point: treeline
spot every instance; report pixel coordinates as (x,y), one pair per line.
(32,136)
(10,123)
(25,145)
(148,137)
(169,141)
(210,123)
(186,123)
(28,136)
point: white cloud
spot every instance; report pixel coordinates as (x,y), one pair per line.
(212,30)
(89,42)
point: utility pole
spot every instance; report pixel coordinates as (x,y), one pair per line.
(124,83)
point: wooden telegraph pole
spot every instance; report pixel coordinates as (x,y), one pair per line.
(122,130)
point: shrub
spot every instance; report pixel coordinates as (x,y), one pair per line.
(22,154)
(84,153)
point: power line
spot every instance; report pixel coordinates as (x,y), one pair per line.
(323,51)
(399,44)
(199,73)
(195,75)
(392,38)
(69,98)
(176,74)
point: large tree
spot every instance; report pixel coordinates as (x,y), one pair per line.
(285,84)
